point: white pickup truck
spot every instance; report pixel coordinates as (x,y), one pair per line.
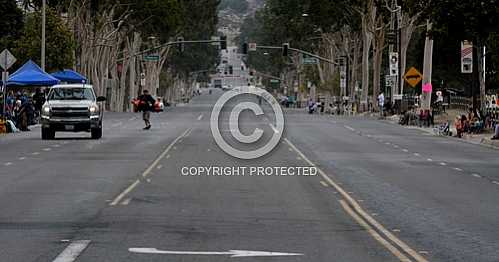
(72,108)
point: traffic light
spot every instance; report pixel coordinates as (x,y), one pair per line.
(223,42)
(245,48)
(285,49)
(394,64)
(180,44)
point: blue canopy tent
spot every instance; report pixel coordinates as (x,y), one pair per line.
(30,74)
(70,76)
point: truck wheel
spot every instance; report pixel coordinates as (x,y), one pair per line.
(48,133)
(96,133)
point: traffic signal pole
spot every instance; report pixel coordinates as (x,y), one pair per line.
(301,52)
(177,43)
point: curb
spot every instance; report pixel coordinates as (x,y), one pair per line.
(490,143)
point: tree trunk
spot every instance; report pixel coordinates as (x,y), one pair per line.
(379,46)
(368,24)
(377,63)
(407,30)
(354,68)
(366,48)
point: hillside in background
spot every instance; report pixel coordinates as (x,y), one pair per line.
(232,14)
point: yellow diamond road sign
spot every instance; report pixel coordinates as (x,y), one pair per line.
(413,77)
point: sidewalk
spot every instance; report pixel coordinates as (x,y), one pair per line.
(476,139)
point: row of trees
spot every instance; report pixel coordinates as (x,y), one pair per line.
(358,30)
(101,39)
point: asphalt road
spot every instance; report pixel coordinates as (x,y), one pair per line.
(383,193)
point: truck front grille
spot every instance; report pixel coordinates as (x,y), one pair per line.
(70,112)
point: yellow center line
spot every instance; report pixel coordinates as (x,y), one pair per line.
(359,209)
(373,232)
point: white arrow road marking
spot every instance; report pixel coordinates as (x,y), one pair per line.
(72,251)
(231,253)
(200,117)
(350,128)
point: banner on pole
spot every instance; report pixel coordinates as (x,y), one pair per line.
(466,57)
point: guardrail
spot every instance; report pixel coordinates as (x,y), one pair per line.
(459,102)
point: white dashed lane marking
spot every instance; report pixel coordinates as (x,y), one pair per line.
(72,251)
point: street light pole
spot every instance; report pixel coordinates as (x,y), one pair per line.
(43,35)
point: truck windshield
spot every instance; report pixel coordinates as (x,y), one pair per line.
(71,94)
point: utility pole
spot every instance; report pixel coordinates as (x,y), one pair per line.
(482,77)
(399,49)
(395,36)
(427,68)
(391,47)
(43,35)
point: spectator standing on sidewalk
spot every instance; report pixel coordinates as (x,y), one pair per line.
(459,126)
(38,100)
(496,133)
(381,104)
